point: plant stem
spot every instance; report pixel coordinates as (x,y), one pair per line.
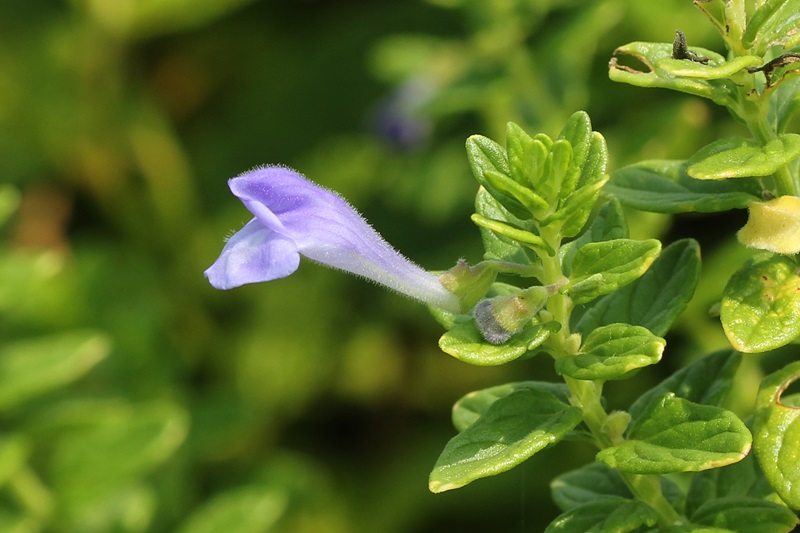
(648,490)
(506,267)
(587,395)
(756,115)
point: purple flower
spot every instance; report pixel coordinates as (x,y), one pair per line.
(295,217)
(399,120)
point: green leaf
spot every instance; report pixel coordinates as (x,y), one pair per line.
(594,481)
(611,352)
(721,91)
(761,303)
(653,301)
(693,69)
(676,435)
(775,22)
(589,153)
(736,157)
(665,187)
(742,479)
(510,232)
(484,153)
(484,156)
(248,509)
(532,202)
(705,381)
(526,156)
(578,133)
(513,429)
(471,407)
(557,165)
(689,528)
(602,267)
(497,246)
(586,485)
(98,472)
(776,432)
(575,210)
(608,224)
(520,153)
(31,368)
(595,161)
(605,515)
(465,343)
(785,103)
(745,515)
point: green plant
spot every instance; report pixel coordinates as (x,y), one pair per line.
(575,287)
(676,459)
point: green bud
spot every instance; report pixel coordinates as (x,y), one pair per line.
(616,424)
(501,317)
(469,283)
(573,343)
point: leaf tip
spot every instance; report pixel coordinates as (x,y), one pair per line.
(438,487)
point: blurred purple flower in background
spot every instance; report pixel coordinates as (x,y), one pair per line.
(295,217)
(399,119)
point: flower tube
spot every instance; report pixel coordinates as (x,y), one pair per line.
(295,217)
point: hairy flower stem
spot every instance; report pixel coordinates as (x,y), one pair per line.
(525,271)
(587,395)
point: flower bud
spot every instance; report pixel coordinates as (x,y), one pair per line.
(501,317)
(773,226)
(616,424)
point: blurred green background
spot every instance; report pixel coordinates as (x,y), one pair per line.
(137,398)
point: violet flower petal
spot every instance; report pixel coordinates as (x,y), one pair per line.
(326,229)
(253,254)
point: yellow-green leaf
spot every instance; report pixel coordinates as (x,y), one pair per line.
(761,303)
(465,343)
(513,429)
(604,515)
(602,267)
(676,435)
(665,187)
(776,434)
(611,352)
(745,515)
(33,367)
(473,405)
(736,157)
